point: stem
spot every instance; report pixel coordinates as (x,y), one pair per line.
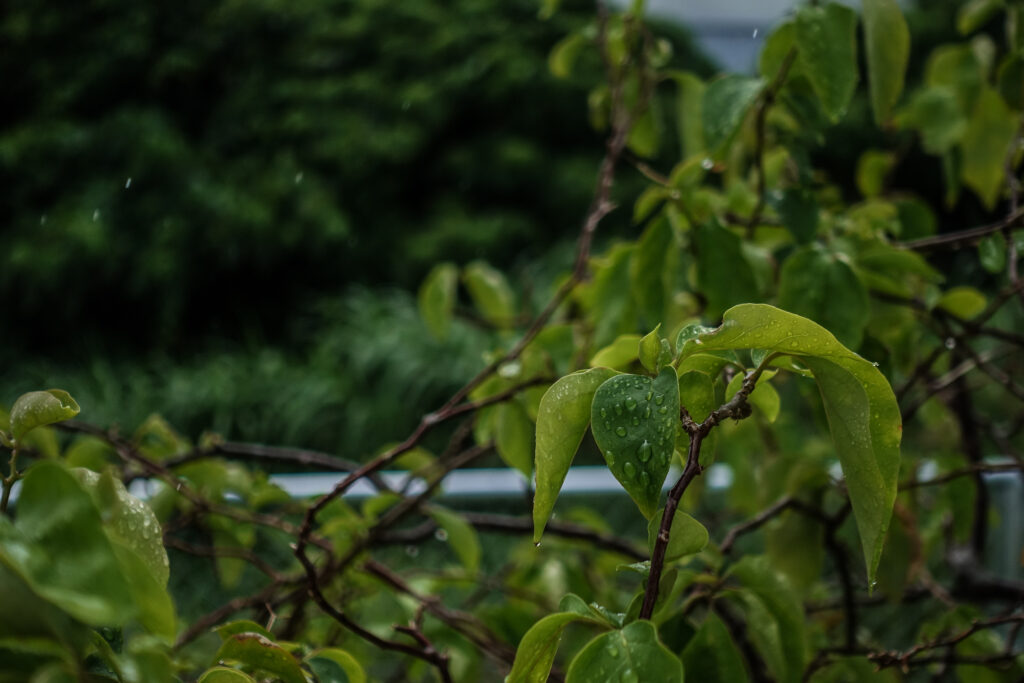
(12,476)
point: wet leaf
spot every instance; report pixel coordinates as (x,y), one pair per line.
(686,537)
(260,654)
(631,655)
(39,408)
(826,38)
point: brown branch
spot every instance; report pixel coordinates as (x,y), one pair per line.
(955,240)
(763,517)
(906,658)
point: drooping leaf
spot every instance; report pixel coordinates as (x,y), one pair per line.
(711,656)
(990,132)
(826,37)
(818,285)
(561,423)
(462,537)
(260,654)
(513,436)
(436,298)
(39,408)
(536,651)
(334,665)
(634,422)
(859,403)
(490,292)
(687,536)
(630,655)
(724,106)
(887,43)
(153,602)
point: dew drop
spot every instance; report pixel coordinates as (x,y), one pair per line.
(621,431)
(96,215)
(659,399)
(630,469)
(649,394)
(950,343)
(441,535)
(663,410)
(610,457)
(707,164)
(128,183)
(754,35)
(645,451)
(697,341)
(613,651)
(629,676)
(607,424)
(630,404)
(636,421)
(604,413)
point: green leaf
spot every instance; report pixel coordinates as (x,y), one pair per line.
(686,537)
(154,604)
(963,302)
(827,40)
(561,423)
(647,274)
(59,548)
(436,299)
(650,350)
(462,537)
(1010,79)
(38,408)
(726,103)
(643,134)
(634,422)
(990,133)
(956,67)
(872,168)
(819,285)
(935,113)
(766,595)
(128,519)
(490,292)
(859,403)
(620,354)
(992,253)
(697,395)
(259,653)
(631,655)
(723,272)
(563,55)
(231,628)
(536,651)
(334,665)
(974,13)
(513,436)
(798,210)
(887,43)
(223,674)
(689,116)
(712,657)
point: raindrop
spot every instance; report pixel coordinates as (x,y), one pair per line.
(630,404)
(298,177)
(96,215)
(950,343)
(663,410)
(697,341)
(621,431)
(645,479)
(618,409)
(412,551)
(659,399)
(613,651)
(629,676)
(755,34)
(647,412)
(610,457)
(604,413)
(649,394)
(441,535)
(630,469)
(875,364)
(536,544)
(42,219)
(707,164)
(645,451)
(128,183)
(636,421)
(607,424)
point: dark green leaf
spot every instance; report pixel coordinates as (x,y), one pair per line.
(38,408)
(992,253)
(726,103)
(631,655)
(860,405)
(724,275)
(1010,80)
(260,654)
(887,43)
(231,628)
(561,423)
(798,210)
(712,657)
(647,270)
(974,13)
(935,113)
(437,298)
(634,422)
(686,537)
(818,285)
(826,38)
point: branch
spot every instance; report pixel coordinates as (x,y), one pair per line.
(955,240)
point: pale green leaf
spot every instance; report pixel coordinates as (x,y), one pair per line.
(223,674)
(974,13)
(859,403)
(513,436)
(687,536)
(436,298)
(689,118)
(650,350)
(619,354)
(490,292)
(887,43)
(563,55)
(763,398)
(990,132)
(39,408)
(634,421)
(536,651)
(462,537)
(963,302)
(561,423)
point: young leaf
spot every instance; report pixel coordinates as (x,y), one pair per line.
(38,408)
(436,298)
(561,422)
(687,536)
(726,103)
(887,42)
(462,537)
(634,421)
(861,408)
(650,350)
(826,38)
(536,651)
(259,653)
(631,655)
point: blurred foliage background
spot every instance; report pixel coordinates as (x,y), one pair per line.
(218,210)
